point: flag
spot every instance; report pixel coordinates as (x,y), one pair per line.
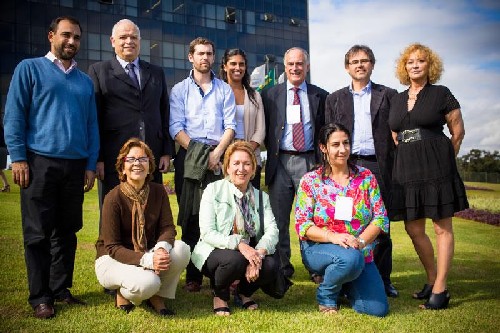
(282,78)
(269,80)
(258,76)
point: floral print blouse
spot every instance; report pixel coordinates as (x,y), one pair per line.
(315,205)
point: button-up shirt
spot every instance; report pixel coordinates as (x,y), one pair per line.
(203,116)
(287,139)
(362,136)
(59,63)
(137,70)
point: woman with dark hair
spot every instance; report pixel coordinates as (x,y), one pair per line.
(250,123)
(425,178)
(137,253)
(338,215)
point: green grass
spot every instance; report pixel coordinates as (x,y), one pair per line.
(486,200)
(474,284)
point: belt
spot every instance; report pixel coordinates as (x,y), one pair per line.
(294,152)
(371,158)
(416,134)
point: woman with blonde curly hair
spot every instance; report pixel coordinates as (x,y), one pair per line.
(426,183)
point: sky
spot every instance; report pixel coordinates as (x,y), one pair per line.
(465,34)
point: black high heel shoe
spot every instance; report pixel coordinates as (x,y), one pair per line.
(425,293)
(124,307)
(437,301)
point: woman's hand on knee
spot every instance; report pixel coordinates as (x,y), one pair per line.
(161,260)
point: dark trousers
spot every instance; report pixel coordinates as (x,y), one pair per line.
(190,229)
(382,254)
(282,189)
(224,266)
(51,209)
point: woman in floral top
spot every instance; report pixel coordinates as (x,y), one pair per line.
(339,212)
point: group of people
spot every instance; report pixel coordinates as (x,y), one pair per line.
(352,160)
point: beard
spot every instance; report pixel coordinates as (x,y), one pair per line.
(63,54)
(205,68)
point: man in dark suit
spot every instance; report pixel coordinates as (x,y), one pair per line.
(132,101)
(294,112)
(363,108)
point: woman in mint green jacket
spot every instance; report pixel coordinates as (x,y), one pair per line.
(232,244)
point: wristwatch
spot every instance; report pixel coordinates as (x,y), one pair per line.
(361,242)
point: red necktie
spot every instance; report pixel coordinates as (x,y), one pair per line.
(299,141)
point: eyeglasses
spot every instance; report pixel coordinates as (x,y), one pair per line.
(362,61)
(132,160)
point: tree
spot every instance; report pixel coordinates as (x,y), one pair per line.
(480,161)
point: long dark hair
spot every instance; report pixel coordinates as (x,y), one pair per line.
(324,134)
(246,77)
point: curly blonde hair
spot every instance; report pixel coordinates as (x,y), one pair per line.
(241,146)
(435,63)
(125,149)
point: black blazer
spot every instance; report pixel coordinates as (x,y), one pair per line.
(121,107)
(274,100)
(340,109)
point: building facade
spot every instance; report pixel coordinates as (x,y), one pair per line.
(265,29)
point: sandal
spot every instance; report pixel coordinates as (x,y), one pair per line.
(316,278)
(425,293)
(6,188)
(221,310)
(437,301)
(250,305)
(328,310)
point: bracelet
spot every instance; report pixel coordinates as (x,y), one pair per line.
(362,242)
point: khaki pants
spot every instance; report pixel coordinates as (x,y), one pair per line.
(136,283)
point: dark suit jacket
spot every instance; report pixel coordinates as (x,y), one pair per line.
(340,109)
(274,100)
(121,107)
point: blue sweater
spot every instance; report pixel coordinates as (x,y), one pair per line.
(51,113)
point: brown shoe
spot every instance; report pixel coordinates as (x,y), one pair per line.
(192,287)
(71,300)
(44,311)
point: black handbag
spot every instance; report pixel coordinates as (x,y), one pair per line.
(280,286)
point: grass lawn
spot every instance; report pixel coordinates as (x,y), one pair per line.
(473,282)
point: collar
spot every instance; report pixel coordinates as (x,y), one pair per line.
(366,90)
(124,63)
(302,86)
(59,63)
(191,73)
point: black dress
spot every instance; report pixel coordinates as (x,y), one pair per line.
(425,180)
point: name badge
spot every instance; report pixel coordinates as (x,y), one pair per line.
(293,114)
(343,208)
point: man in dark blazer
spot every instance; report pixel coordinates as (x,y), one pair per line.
(363,108)
(294,112)
(131,102)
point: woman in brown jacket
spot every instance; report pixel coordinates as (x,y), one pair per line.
(137,253)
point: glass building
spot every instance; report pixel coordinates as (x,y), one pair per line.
(265,29)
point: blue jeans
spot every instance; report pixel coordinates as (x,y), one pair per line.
(345,269)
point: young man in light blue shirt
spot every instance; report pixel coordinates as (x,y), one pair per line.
(202,110)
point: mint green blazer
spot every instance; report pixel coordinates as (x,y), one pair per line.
(217,213)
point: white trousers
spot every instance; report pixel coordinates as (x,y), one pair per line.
(136,283)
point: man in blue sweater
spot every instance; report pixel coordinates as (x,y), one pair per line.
(52,135)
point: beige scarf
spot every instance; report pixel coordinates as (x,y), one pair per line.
(139,200)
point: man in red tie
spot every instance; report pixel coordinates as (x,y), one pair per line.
(294,113)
